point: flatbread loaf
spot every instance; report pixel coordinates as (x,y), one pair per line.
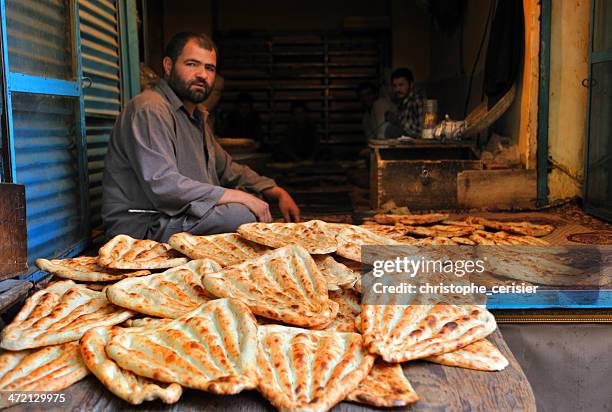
(385,386)
(284,285)
(399,333)
(393,232)
(51,368)
(124,252)
(482,237)
(481,355)
(146,322)
(438,240)
(349,303)
(305,370)
(312,235)
(61,313)
(410,219)
(503,238)
(520,228)
(463,241)
(440,230)
(337,275)
(169,294)
(225,249)
(352,238)
(463,222)
(213,348)
(84,269)
(126,385)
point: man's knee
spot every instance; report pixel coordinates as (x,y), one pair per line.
(239,214)
(224,219)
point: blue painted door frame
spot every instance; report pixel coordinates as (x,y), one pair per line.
(16,82)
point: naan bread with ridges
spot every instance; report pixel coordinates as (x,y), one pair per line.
(386,386)
(51,368)
(519,228)
(225,249)
(306,370)
(481,237)
(124,252)
(396,231)
(213,348)
(399,333)
(61,313)
(284,285)
(169,294)
(410,219)
(126,385)
(463,241)
(84,269)
(352,238)
(481,355)
(312,235)
(349,303)
(337,275)
(146,322)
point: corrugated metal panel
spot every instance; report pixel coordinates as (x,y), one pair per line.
(45,152)
(100,56)
(38,37)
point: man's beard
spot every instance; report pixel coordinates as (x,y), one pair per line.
(184,91)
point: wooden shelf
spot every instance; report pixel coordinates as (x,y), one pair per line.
(321,70)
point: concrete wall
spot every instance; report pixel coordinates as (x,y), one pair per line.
(568,98)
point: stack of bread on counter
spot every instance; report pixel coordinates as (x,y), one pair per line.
(275,308)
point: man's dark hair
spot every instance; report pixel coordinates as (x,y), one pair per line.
(366,86)
(402,72)
(176,44)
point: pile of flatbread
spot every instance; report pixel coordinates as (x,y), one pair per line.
(438,229)
(275,307)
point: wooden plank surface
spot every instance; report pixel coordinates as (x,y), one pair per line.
(441,388)
(11,291)
(13,232)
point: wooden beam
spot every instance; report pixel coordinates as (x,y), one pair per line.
(13,231)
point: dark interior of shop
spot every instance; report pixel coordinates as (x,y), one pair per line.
(291,72)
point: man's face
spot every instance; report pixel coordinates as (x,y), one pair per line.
(401,87)
(192,75)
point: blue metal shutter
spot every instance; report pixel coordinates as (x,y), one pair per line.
(102,70)
(43,108)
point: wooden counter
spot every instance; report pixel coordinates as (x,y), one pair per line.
(441,388)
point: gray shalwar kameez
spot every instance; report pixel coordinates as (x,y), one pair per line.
(166,167)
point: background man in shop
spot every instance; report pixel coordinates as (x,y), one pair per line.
(164,171)
(374,121)
(409,119)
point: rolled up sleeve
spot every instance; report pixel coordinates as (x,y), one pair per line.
(155,165)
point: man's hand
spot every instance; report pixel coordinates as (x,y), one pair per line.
(259,208)
(286,204)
